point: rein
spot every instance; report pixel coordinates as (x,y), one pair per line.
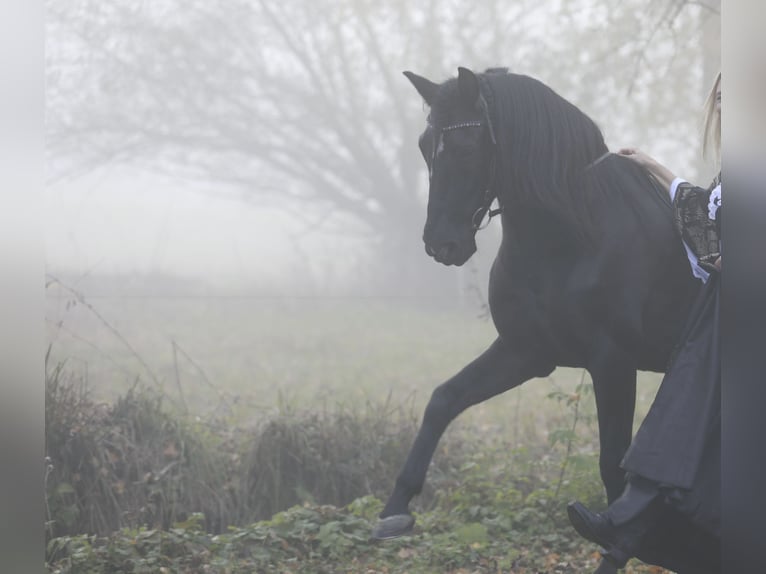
(597,161)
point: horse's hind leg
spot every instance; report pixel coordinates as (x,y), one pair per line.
(614,385)
(498,369)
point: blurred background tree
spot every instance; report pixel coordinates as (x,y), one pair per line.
(301,105)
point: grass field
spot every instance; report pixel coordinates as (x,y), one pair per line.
(313,376)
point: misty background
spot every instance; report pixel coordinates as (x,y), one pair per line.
(235,195)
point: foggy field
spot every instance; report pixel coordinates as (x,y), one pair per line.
(242,320)
(250,353)
(317,383)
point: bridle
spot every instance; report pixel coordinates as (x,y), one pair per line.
(477,218)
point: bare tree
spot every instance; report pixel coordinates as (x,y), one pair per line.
(298,104)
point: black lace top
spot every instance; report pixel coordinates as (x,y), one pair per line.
(698,220)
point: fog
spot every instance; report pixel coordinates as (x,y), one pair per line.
(270,148)
(132,191)
(134,223)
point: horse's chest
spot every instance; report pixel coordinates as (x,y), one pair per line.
(541,308)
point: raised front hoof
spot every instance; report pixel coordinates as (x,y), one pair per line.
(393,526)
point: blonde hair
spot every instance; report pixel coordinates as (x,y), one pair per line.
(712,134)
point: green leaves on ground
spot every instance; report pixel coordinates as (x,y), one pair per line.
(314,539)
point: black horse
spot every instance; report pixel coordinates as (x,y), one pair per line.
(590,272)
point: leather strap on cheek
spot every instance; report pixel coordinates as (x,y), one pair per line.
(490,127)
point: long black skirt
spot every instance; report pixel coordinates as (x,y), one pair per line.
(678,445)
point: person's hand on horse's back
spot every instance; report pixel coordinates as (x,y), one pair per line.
(638,156)
(659,171)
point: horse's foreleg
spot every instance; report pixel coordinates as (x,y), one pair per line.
(498,369)
(614,384)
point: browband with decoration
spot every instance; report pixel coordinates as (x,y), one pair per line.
(463,125)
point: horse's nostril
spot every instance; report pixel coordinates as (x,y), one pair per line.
(445,251)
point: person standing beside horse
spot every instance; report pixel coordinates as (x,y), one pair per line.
(674,461)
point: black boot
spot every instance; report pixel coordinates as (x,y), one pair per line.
(619,533)
(620,528)
(599,529)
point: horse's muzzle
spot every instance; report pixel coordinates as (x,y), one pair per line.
(449,253)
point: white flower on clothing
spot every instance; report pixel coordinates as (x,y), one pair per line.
(715,202)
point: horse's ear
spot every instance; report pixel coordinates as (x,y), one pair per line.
(468,86)
(425,88)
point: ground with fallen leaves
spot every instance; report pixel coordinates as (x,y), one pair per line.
(328,540)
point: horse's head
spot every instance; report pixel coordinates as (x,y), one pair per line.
(458,147)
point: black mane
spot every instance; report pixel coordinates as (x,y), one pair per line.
(546,148)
